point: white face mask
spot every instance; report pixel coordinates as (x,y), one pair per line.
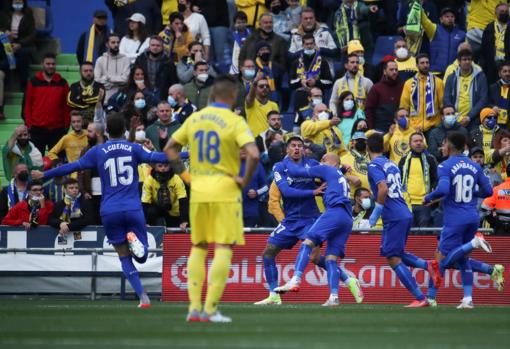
(361,60)
(401,53)
(316,101)
(366,203)
(140,135)
(36,197)
(348,104)
(323,116)
(139,81)
(202,77)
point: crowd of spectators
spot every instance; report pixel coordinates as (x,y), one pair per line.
(310,62)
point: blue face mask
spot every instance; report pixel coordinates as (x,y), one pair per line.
(249,73)
(402,123)
(491,123)
(309,52)
(17,7)
(172,101)
(140,103)
(450,120)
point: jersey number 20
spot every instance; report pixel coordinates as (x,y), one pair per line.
(208,146)
(120,170)
(395,189)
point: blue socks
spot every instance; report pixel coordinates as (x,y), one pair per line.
(271,272)
(405,276)
(455,255)
(481,267)
(411,260)
(333,276)
(131,274)
(343,274)
(466,275)
(302,259)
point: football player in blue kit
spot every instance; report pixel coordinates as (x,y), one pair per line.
(301,211)
(333,226)
(385,181)
(121,210)
(461,183)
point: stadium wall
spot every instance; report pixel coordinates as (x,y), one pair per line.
(246,281)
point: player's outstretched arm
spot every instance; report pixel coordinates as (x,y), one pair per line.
(443,186)
(57,171)
(172,151)
(252,159)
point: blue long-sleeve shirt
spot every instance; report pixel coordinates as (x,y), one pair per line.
(297,192)
(337,191)
(259,184)
(117,164)
(461,183)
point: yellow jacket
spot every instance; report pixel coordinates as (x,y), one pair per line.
(322,133)
(481,13)
(274,204)
(180,47)
(175,186)
(397,144)
(250,7)
(72,144)
(359,168)
(167,7)
(420,120)
(451,69)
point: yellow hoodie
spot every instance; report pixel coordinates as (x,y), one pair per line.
(321,133)
(398,143)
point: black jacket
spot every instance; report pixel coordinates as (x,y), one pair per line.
(488,52)
(432,168)
(494,94)
(26,30)
(166,76)
(88,215)
(215,12)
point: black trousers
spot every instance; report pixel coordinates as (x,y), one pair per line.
(46,137)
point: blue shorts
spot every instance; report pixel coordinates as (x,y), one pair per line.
(455,236)
(333,226)
(117,225)
(288,233)
(394,237)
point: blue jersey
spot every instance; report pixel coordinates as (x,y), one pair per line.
(395,207)
(297,192)
(337,191)
(117,164)
(461,183)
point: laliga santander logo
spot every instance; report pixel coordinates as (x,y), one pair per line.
(179,273)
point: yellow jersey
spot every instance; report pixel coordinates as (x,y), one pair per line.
(175,186)
(215,135)
(257,115)
(359,168)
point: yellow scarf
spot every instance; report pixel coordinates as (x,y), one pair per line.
(358,91)
(268,73)
(90,43)
(499,40)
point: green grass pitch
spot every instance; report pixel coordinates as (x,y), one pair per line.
(115,324)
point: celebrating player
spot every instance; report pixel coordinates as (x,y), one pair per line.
(333,226)
(385,181)
(461,182)
(121,210)
(215,135)
(300,213)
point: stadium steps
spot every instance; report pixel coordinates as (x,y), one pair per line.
(67,66)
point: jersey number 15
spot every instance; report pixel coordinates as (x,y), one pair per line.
(120,170)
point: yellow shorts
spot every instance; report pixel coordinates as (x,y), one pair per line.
(217,222)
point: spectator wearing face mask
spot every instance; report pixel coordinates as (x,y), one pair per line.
(19,150)
(309,70)
(15,191)
(362,208)
(269,69)
(239,34)
(197,90)
(483,136)
(357,158)
(322,130)
(245,80)
(438,134)
(494,45)
(187,63)
(138,106)
(164,198)
(499,96)
(305,113)
(92,43)
(406,63)
(396,141)
(181,105)
(74,212)
(349,113)
(31,212)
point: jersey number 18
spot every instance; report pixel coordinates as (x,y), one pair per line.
(208,146)
(463,188)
